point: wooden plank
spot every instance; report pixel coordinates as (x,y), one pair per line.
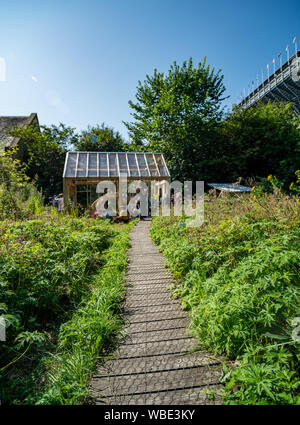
(154,303)
(157,381)
(155,364)
(138,254)
(144,285)
(156,348)
(142,249)
(157,335)
(143,252)
(163,279)
(157,325)
(131,310)
(137,264)
(149,299)
(151,317)
(147,263)
(139,280)
(160,272)
(185,397)
(147,290)
(163,286)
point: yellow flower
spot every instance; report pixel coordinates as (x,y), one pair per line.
(291,185)
(297,171)
(269,177)
(253,188)
(254,197)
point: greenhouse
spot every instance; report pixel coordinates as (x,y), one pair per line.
(84,170)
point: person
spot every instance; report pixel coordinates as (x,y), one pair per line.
(55,202)
(60,202)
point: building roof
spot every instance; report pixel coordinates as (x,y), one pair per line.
(7,124)
(230,187)
(115,164)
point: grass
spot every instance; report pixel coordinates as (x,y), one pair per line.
(238,275)
(60,290)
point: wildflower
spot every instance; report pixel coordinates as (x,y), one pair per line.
(254,197)
(269,177)
(180,224)
(291,185)
(253,188)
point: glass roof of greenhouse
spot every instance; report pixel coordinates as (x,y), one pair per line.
(115,164)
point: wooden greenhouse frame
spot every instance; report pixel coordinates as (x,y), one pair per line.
(84,170)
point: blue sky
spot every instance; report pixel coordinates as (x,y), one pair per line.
(79,61)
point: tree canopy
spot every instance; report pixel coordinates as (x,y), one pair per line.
(261,140)
(44,154)
(176,113)
(100,138)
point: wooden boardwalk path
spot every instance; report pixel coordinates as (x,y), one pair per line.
(155,363)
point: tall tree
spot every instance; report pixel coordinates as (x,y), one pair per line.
(44,154)
(262,140)
(100,139)
(177,113)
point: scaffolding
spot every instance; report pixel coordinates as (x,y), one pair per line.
(283,85)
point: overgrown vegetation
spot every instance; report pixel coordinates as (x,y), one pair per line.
(19,198)
(90,330)
(238,275)
(60,288)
